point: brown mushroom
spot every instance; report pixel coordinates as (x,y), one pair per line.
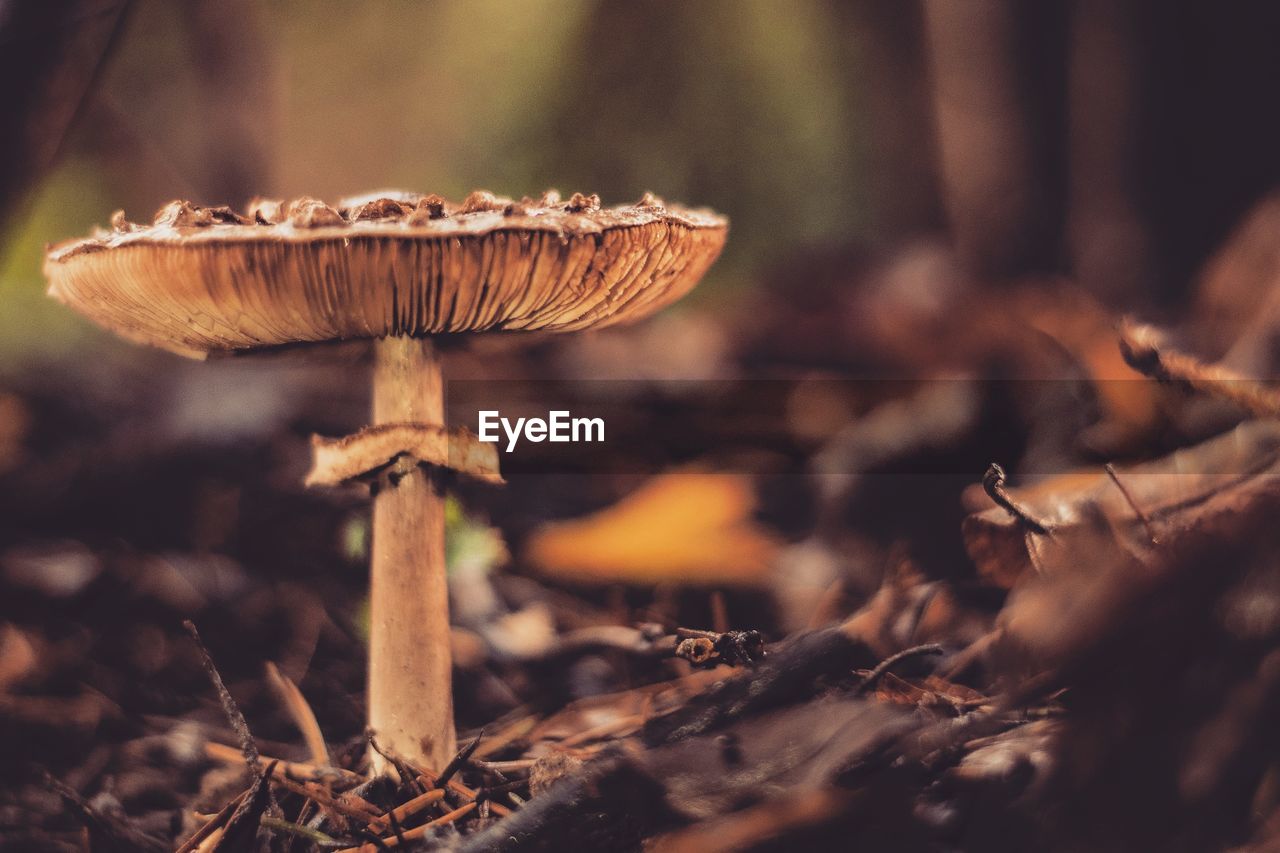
(398,268)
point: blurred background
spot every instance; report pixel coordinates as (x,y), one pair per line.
(749,110)
(1117,142)
(933,191)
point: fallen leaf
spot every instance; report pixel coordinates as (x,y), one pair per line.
(909,609)
(691,528)
(1238,303)
(1098,574)
(1086,330)
(17,655)
(1172,493)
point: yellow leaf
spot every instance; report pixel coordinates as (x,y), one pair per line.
(691,528)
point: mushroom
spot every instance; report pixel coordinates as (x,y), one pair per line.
(401,269)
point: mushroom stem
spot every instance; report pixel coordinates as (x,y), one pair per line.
(410,670)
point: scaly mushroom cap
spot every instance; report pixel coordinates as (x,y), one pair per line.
(207,279)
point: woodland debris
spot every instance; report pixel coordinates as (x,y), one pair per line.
(303,717)
(248,746)
(315,836)
(709,537)
(793,671)
(105,831)
(242,827)
(893,660)
(410,808)
(1146,353)
(458,761)
(295,770)
(1182,491)
(216,823)
(734,648)
(417,832)
(993,484)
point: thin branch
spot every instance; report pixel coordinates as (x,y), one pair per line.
(315,836)
(993,484)
(296,770)
(459,761)
(421,831)
(248,745)
(410,808)
(893,660)
(406,772)
(1133,503)
(213,824)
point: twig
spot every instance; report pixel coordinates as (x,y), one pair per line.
(403,768)
(245,820)
(408,809)
(487,792)
(793,673)
(458,761)
(1133,503)
(248,746)
(211,842)
(303,717)
(360,810)
(420,831)
(696,650)
(462,790)
(315,836)
(214,823)
(993,484)
(426,778)
(1142,350)
(296,770)
(735,648)
(514,766)
(308,814)
(372,841)
(397,830)
(893,660)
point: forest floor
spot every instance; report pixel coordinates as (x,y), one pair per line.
(832,623)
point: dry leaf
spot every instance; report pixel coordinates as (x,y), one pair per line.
(1086,330)
(18,656)
(1171,493)
(1098,573)
(908,609)
(1238,303)
(690,528)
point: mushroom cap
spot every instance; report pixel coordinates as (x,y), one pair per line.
(203,280)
